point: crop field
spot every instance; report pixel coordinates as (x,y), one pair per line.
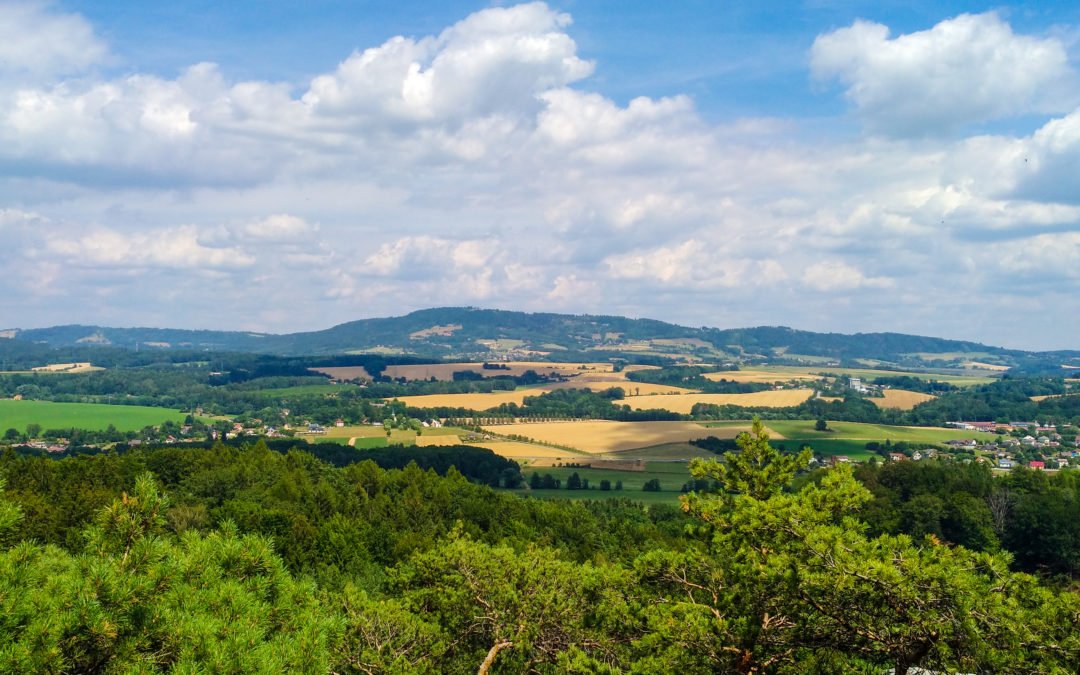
(445,371)
(782,398)
(758,376)
(469,401)
(525,451)
(870,373)
(90,416)
(426,440)
(901,399)
(344,372)
(599,436)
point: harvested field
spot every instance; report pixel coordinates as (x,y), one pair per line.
(519,450)
(901,399)
(598,437)
(986,366)
(426,440)
(596,383)
(762,376)
(783,398)
(344,372)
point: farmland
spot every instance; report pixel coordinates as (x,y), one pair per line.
(600,437)
(901,399)
(445,371)
(782,398)
(759,376)
(90,416)
(871,373)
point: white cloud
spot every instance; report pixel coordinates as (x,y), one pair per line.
(461,167)
(972,68)
(38,42)
(834,275)
(175,248)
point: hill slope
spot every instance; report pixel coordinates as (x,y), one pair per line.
(463,332)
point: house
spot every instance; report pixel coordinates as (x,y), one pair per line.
(897,456)
(1037,465)
(916,455)
(1005,463)
(339,423)
(1062,462)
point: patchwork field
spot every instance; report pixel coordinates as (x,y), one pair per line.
(598,436)
(91,416)
(869,374)
(901,399)
(469,401)
(783,398)
(445,371)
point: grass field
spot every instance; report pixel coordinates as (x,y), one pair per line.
(304,390)
(901,399)
(90,416)
(850,438)
(598,437)
(782,398)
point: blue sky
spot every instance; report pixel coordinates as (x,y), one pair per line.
(856,166)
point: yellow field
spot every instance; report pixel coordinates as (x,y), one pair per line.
(481,402)
(763,376)
(783,398)
(425,440)
(985,366)
(1043,398)
(901,399)
(598,437)
(519,450)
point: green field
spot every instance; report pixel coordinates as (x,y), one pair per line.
(667,497)
(303,390)
(90,416)
(870,374)
(671,475)
(850,438)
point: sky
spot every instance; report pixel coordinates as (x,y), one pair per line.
(255,165)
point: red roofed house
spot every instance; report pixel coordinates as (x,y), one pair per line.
(1036,464)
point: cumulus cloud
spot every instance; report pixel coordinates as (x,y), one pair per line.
(834,275)
(175,248)
(972,68)
(479,165)
(38,42)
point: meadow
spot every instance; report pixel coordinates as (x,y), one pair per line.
(90,416)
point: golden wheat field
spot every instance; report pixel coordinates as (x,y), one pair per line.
(762,376)
(519,450)
(599,436)
(424,440)
(901,399)
(783,398)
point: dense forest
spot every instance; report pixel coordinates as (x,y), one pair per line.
(244,559)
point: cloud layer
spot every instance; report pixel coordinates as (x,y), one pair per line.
(477,166)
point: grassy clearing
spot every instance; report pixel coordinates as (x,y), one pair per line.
(90,416)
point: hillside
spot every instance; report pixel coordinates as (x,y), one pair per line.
(484,333)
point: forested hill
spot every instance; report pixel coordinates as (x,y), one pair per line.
(479,333)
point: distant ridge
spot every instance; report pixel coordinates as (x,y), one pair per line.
(468,332)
